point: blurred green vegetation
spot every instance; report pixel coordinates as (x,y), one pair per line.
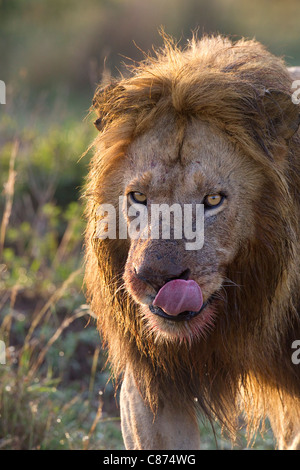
(53,393)
(52,55)
(66,46)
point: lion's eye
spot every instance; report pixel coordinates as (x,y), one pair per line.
(213,200)
(138,198)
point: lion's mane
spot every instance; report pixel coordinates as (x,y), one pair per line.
(228,85)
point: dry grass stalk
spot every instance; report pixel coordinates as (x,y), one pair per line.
(52,340)
(9,194)
(53,299)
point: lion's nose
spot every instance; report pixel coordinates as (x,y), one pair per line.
(158,278)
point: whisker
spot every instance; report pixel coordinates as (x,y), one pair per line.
(231,283)
(114,279)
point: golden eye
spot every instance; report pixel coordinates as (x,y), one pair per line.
(213,200)
(138,198)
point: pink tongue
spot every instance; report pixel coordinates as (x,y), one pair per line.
(179,296)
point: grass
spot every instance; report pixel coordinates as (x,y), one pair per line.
(53,393)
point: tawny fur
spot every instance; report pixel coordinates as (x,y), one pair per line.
(244,361)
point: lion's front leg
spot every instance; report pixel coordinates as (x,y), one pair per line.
(285,422)
(170,428)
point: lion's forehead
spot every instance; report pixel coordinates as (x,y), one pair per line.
(197,158)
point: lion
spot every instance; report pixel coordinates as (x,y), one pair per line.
(207,331)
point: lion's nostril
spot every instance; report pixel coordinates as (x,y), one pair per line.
(148,277)
(184,275)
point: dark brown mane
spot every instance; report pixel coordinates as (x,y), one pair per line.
(229,85)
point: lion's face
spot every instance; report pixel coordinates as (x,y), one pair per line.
(202,166)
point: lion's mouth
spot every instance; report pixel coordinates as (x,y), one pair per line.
(179,300)
(183,316)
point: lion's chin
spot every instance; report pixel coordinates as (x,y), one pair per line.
(189,331)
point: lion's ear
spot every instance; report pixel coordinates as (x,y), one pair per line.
(283,115)
(102,95)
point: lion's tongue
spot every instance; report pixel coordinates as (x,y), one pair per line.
(179,296)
